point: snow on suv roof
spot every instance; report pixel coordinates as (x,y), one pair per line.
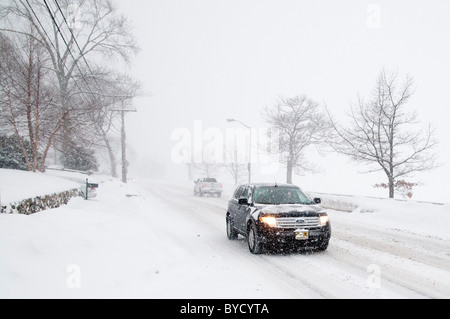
(270,185)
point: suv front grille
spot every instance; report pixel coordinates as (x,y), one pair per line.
(298,222)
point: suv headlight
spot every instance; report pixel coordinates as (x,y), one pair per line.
(269,221)
(324,219)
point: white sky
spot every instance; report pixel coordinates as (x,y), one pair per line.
(210,60)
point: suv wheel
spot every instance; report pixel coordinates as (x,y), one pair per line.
(254,245)
(231,232)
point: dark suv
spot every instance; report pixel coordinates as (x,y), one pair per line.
(276,215)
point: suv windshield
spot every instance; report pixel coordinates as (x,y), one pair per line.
(210,180)
(271,195)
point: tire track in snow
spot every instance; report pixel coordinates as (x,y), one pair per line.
(351,251)
(293,270)
(284,278)
(402,268)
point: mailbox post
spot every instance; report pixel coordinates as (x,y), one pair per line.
(89,186)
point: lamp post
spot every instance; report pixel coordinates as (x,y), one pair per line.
(250,153)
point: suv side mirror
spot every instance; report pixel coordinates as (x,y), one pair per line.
(317,201)
(243,201)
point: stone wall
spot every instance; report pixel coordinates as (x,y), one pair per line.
(34,205)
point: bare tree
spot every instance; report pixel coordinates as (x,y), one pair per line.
(209,170)
(384,133)
(235,168)
(71,32)
(300,125)
(206,168)
(104,115)
(28,94)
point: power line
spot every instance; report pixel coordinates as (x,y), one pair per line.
(57,56)
(51,41)
(76,43)
(53,18)
(75,60)
(42,27)
(123,111)
(82,54)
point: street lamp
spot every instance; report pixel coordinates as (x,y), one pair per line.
(250,153)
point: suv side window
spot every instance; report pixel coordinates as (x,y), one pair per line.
(250,194)
(238,192)
(244,193)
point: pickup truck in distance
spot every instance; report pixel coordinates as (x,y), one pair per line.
(272,216)
(207,186)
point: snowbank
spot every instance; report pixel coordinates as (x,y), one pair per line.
(19,188)
(429,219)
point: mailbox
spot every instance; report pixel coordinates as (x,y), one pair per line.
(90,188)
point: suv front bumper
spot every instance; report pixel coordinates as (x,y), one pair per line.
(316,236)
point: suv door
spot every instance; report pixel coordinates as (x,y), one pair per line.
(242,211)
(233,205)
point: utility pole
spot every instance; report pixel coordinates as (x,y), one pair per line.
(124,143)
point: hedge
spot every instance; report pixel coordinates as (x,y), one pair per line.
(34,205)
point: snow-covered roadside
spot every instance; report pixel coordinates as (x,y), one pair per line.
(96,248)
(425,219)
(122,244)
(16,185)
(155,240)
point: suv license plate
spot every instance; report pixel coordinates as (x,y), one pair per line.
(301,234)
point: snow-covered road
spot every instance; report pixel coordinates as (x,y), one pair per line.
(156,240)
(361,261)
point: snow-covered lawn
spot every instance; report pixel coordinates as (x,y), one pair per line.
(427,219)
(19,185)
(156,240)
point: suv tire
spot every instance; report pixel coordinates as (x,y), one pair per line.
(231,232)
(254,245)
